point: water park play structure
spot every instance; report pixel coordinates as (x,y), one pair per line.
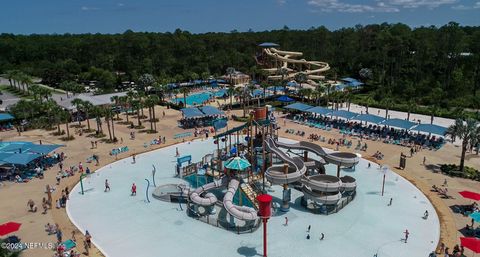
(274,61)
(227,197)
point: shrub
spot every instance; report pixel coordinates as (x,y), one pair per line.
(454,171)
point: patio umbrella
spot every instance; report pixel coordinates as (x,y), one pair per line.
(9,227)
(237,163)
(471,243)
(475,216)
(470,195)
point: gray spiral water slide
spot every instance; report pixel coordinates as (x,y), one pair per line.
(239,212)
(343,159)
(276,173)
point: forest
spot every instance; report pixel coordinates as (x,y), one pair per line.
(421,66)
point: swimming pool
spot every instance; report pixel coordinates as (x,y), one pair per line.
(124,225)
(193,99)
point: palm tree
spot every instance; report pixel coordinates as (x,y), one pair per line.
(150,104)
(116,100)
(124,102)
(368,102)
(467,132)
(433,112)
(230,73)
(87,108)
(155,101)
(411,107)
(231,92)
(387,104)
(301,78)
(185,91)
(98,113)
(264,86)
(78,103)
(107,111)
(11,75)
(35,90)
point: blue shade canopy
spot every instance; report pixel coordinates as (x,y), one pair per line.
(42,149)
(192,112)
(298,106)
(21,158)
(6,117)
(237,163)
(399,123)
(369,118)
(320,110)
(210,110)
(268,44)
(285,99)
(430,128)
(343,114)
(221,93)
(219,124)
(257,93)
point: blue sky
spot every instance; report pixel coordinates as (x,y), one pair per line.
(116,16)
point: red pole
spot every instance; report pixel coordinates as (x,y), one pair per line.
(383,183)
(264,237)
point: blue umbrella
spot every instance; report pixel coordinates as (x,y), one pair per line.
(475,216)
(237,163)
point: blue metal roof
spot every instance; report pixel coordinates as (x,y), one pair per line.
(268,44)
(430,128)
(320,110)
(285,99)
(298,106)
(210,110)
(6,116)
(343,114)
(399,123)
(369,118)
(23,152)
(192,112)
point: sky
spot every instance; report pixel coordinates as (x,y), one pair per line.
(199,16)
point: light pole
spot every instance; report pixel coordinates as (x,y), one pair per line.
(81,181)
(265,211)
(384,170)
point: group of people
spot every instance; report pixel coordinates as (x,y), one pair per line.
(378,155)
(458,251)
(375,132)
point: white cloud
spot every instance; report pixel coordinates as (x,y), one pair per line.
(336,5)
(281,2)
(87,8)
(420,3)
(462,7)
(120,4)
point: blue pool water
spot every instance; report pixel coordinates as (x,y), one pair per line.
(194,98)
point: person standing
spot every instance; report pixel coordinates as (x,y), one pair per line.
(59,235)
(406,235)
(88,239)
(308,229)
(322,237)
(133,158)
(107,185)
(134,189)
(390,203)
(286,221)
(424,160)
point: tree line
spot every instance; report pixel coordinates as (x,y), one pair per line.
(423,66)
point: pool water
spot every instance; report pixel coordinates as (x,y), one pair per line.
(193,99)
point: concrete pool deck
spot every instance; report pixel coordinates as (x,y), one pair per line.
(122,225)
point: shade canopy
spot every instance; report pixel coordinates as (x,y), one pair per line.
(285,99)
(210,110)
(369,118)
(22,153)
(9,227)
(221,93)
(343,114)
(6,117)
(192,112)
(471,243)
(399,123)
(268,44)
(470,195)
(237,163)
(320,110)
(430,128)
(298,106)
